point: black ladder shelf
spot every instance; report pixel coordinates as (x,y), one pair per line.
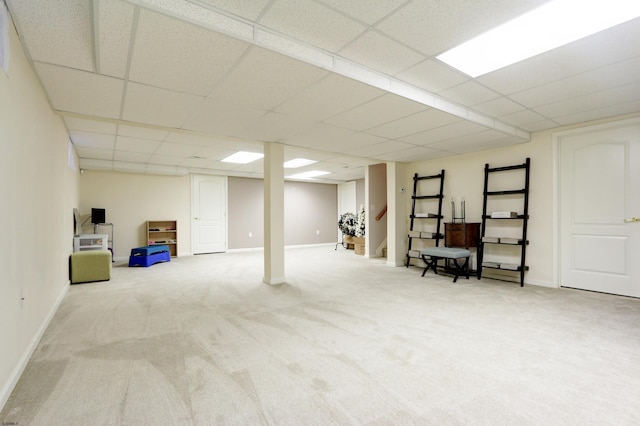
(414,234)
(521,241)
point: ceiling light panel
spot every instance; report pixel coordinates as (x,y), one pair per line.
(549,26)
(298,162)
(243,157)
(308,175)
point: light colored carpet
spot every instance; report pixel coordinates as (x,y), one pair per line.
(348,340)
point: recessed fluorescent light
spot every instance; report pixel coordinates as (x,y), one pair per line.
(243,157)
(298,162)
(552,25)
(308,175)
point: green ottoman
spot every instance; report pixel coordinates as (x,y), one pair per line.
(90,265)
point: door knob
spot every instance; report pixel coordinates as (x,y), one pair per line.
(632,220)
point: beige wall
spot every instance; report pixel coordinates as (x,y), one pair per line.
(130,200)
(37,196)
(310,213)
(465,177)
(246,201)
(309,208)
(376,195)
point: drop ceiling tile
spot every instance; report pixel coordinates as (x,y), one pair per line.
(92,140)
(369,12)
(218,153)
(176,150)
(115,20)
(522,117)
(614,45)
(416,153)
(164,170)
(612,110)
(202,163)
(376,112)
(161,107)
(132,157)
(317,136)
(245,9)
(432,27)
(180,56)
(414,123)
(472,142)
(128,167)
(56,32)
(82,92)
(354,143)
(312,23)
(380,53)
(373,151)
(618,74)
(449,131)
(167,160)
(265,79)
(193,139)
(125,143)
(328,97)
(291,152)
(591,101)
(93,126)
(432,76)
(94,153)
(220,117)
(95,164)
(498,107)
(273,127)
(351,161)
(536,126)
(142,132)
(469,93)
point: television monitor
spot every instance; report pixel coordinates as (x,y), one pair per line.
(97,216)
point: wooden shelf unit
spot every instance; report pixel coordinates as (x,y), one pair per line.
(163,232)
(487,239)
(425,211)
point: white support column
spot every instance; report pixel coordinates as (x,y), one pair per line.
(273,214)
(396,214)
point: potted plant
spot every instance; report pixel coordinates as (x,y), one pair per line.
(347,225)
(358,239)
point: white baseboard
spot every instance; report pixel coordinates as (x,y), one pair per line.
(251,249)
(6,390)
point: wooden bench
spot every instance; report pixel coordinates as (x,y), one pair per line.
(431,255)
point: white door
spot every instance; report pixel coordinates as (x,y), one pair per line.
(599,197)
(208,214)
(346,200)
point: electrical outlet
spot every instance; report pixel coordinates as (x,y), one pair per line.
(250,234)
(318,232)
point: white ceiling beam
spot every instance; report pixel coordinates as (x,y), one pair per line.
(258,35)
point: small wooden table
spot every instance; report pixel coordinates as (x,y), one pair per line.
(462,235)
